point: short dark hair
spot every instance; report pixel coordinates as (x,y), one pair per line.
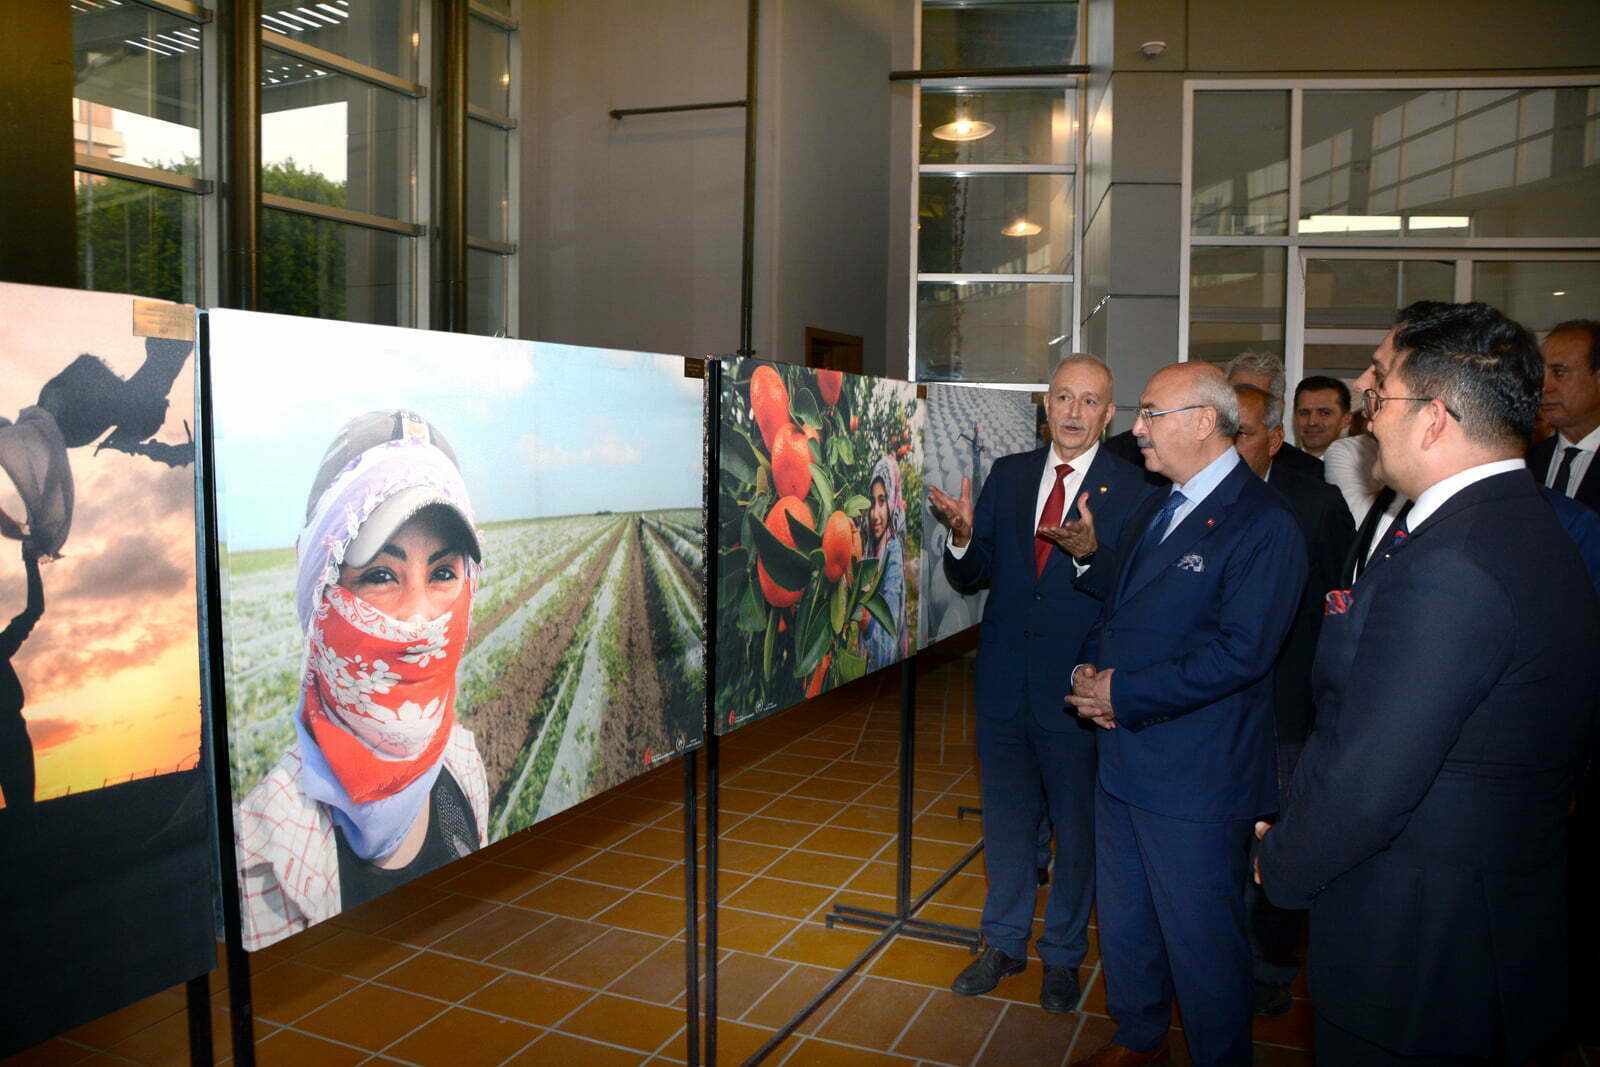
(1484,366)
(1589,326)
(1318,382)
(1422,312)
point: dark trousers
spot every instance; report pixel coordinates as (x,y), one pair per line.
(1172,921)
(1274,931)
(1030,772)
(1338,1047)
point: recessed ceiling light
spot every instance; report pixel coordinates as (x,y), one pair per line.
(1022,228)
(964,129)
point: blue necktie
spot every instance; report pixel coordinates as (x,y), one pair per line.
(1158,525)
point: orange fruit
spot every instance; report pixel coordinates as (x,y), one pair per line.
(838,545)
(769,402)
(829,382)
(814,686)
(777,524)
(791,462)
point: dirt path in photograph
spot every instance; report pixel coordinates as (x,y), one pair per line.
(636,720)
(500,723)
(483,628)
(569,780)
(692,583)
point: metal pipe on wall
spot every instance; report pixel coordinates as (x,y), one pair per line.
(747,276)
(453,169)
(241,154)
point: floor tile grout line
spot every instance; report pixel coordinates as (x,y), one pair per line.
(912,1021)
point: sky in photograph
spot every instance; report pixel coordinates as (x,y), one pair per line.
(538,429)
(111,670)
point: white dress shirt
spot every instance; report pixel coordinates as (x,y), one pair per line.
(1196,489)
(1072,484)
(1580,462)
(1433,498)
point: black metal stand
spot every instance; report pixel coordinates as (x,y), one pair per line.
(240,1011)
(713,768)
(197,992)
(691,942)
(903,920)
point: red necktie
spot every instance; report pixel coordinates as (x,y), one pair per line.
(1050,516)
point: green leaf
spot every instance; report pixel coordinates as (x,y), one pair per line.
(804,404)
(808,419)
(814,640)
(880,611)
(867,575)
(805,538)
(737,465)
(839,606)
(822,485)
(787,568)
(849,665)
(752,611)
(857,505)
(847,454)
(766,644)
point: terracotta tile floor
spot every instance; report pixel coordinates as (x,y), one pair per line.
(564,944)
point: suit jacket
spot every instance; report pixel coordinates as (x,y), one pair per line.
(1329,530)
(1539,457)
(1192,628)
(1455,686)
(1031,626)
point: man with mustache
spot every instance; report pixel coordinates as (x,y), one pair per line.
(1042,527)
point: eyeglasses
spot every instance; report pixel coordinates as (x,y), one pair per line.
(1149,416)
(1372,400)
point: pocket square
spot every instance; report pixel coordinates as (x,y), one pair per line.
(1337,602)
(1192,562)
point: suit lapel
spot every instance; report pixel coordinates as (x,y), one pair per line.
(1205,518)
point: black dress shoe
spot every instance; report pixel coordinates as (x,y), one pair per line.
(985,972)
(1060,992)
(1272,999)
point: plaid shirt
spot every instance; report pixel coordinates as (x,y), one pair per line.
(288,861)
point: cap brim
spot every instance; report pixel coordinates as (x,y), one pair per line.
(394,513)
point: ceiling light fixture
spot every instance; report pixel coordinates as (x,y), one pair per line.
(1559,292)
(964,129)
(1022,228)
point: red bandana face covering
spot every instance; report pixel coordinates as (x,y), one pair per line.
(380,693)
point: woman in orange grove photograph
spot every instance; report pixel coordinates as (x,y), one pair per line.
(381,784)
(885,520)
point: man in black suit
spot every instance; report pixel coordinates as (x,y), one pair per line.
(1426,829)
(1564,461)
(1260,369)
(1325,520)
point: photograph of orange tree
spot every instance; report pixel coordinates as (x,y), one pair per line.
(820,533)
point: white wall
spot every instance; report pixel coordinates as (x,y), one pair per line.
(631,229)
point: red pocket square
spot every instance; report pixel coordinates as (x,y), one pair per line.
(1337,602)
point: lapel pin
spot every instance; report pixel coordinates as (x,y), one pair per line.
(1211,522)
(1102,488)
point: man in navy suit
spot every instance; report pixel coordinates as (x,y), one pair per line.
(1565,461)
(1178,674)
(1456,688)
(1044,522)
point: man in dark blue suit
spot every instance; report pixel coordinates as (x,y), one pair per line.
(1456,689)
(1178,674)
(1043,523)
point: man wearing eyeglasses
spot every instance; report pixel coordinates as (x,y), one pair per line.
(1177,674)
(1427,822)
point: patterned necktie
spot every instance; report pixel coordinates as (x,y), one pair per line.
(1051,515)
(1399,531)
(1564,472)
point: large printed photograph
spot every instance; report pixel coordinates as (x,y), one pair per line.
(104,812)
(819,543)
(463,587)
(968,429)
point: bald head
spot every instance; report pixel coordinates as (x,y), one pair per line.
(1200,421)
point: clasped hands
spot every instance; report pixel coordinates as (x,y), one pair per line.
(1091,695)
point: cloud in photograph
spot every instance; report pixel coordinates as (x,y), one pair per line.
(132,566)
(48,733)
(606,447)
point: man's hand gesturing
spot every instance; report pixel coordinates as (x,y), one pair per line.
(954,512)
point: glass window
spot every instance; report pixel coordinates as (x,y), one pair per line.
(137,87)
(998,126)
(488,171)
(1235,301)
(1365,293)
(487,285)
(1450,163)
(1241,164)
(375,33)
(991,331)
(1539,293)
(338,140)
(488,67)
(138,238)
(995,224)
(984,33)
(312,266)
